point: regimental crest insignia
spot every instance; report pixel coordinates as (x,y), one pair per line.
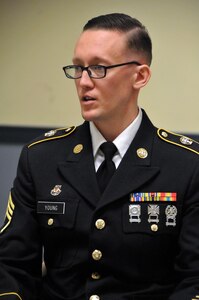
(56,190)
(135,213)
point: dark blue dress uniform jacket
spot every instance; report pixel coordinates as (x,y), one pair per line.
(134,242)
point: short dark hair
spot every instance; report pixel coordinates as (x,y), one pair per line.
(138,40)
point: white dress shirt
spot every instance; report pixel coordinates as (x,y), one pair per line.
(122,141)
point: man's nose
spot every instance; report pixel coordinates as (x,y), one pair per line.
(86,80)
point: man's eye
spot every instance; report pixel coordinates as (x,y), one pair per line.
(77,68)
(97,68)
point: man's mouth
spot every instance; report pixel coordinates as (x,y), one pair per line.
(88,98)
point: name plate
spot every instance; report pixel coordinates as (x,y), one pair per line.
(44,207)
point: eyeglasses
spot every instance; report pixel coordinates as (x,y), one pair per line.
(94,71)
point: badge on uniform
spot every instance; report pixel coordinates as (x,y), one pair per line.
(171,213)
(153,212)
(56,190)
(135,213)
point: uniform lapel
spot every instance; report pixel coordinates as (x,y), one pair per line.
(134,171)
(79,169)
(132,174)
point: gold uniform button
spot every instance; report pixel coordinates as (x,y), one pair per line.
(100,224)
(164,134)
(78,148)
(97,255)
(95,275)
(154,227)
(50,221)
(142,153)
(94,297)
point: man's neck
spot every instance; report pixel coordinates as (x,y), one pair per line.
(111,129)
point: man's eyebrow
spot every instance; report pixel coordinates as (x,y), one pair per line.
(93,60)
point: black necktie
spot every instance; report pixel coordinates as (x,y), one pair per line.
(107,168)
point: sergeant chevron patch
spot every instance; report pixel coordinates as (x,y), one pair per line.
(9,213)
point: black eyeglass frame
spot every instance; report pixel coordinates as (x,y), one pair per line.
(90,72)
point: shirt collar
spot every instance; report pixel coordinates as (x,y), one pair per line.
(96,137)
(122,141)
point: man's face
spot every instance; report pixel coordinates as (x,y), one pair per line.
(111,98)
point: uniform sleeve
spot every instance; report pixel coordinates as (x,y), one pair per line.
(20,241)
(187,260)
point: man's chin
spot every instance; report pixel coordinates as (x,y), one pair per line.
(89,117)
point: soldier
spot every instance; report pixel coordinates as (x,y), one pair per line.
(111,207)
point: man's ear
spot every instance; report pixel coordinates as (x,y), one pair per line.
(141,77)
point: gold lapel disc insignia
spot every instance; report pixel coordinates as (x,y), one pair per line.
(78,148)
(142,153)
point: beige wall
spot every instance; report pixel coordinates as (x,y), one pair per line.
(37,39)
